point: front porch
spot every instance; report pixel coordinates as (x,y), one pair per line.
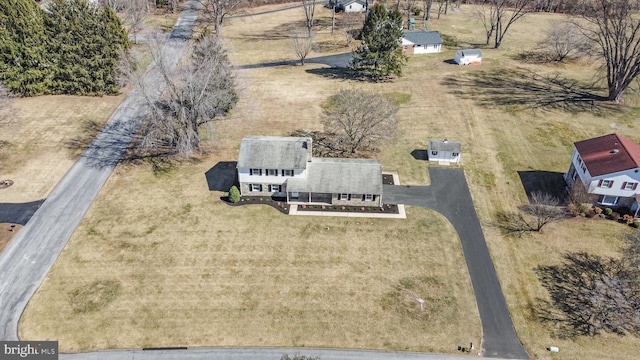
(309,198)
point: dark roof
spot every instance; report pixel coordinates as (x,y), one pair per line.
(347,2)
(422,37)
(609,154)
(337,175)
(444,145)
(274,152)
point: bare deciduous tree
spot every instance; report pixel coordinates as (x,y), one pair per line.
(198,91)
(579,199)
(136,12)
(360,119)
(564,41)
(497,16)
(309,11)
(614,27)
(409,7)
(115,5)
(427,4)
(541,210)
(214,12)
(302,44)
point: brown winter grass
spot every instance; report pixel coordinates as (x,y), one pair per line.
(34,152)
(192,271)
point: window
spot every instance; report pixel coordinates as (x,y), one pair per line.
(605,183)
(406,48)
(274,188)
(629,185)
(287,172)
(454,154)
(369,197)
(255,187)
(581,164)
(608,200)
(255,172)
(344,197)
(434,153)
(272,172)
(574,176)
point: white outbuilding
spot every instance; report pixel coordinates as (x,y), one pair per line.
(444,151)
(468,57)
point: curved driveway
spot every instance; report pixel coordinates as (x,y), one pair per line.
(449,195)
(28,258)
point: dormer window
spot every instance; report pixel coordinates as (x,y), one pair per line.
(272,172)
(629,185)
(255,172)
(605,183)
(287,172)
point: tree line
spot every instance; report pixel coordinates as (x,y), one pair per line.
(71,48)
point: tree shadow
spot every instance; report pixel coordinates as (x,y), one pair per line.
(546,182)
(588,294)
(524,89)
(420,154)
(450,62)
(222,176)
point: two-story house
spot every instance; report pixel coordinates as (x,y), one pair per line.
(283,167)
(609,167)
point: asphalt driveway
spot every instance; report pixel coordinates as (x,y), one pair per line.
(449,195)
(18,213)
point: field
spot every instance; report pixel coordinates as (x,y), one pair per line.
(159,261)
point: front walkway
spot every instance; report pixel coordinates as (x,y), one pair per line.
(449,195)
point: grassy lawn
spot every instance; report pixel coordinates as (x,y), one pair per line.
(159,261)
(36,150)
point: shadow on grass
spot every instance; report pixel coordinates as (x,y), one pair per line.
(420,154)
(588,295)
(546,182)
(222,176)
(523,89)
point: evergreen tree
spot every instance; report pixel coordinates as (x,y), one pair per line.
(23,61)
(85,45)
(379,54)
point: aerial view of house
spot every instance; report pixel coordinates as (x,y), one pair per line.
(608,167)
(206,179)
(284,167)
(421,42)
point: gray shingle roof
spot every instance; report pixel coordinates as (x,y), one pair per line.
(336,175)
(439,145)
(470,52)
(422,37)
(274,152)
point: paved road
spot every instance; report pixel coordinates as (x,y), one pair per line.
(449,195)
(28,257)
(257,354)
(18,213)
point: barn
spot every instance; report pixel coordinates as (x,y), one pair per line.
(468,57)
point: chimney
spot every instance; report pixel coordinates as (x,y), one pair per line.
(308,144)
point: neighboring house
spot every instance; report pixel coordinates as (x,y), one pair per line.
(421,42)
(351,5)
(468,57)
(283,167)
(609,167)
(444,151)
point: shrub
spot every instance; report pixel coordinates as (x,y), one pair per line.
(608,211)
(598,210)
(615,216)
(234,194)
(636,224)
(627,219)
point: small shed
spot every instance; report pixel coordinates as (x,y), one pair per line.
(421,42)
(468,57)
(444,151)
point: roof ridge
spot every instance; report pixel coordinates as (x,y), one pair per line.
(626,143)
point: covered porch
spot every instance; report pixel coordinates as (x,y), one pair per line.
(309,198)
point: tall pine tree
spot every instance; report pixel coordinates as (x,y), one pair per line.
(71,48)
(86,47)
(379,54)
(24,64)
